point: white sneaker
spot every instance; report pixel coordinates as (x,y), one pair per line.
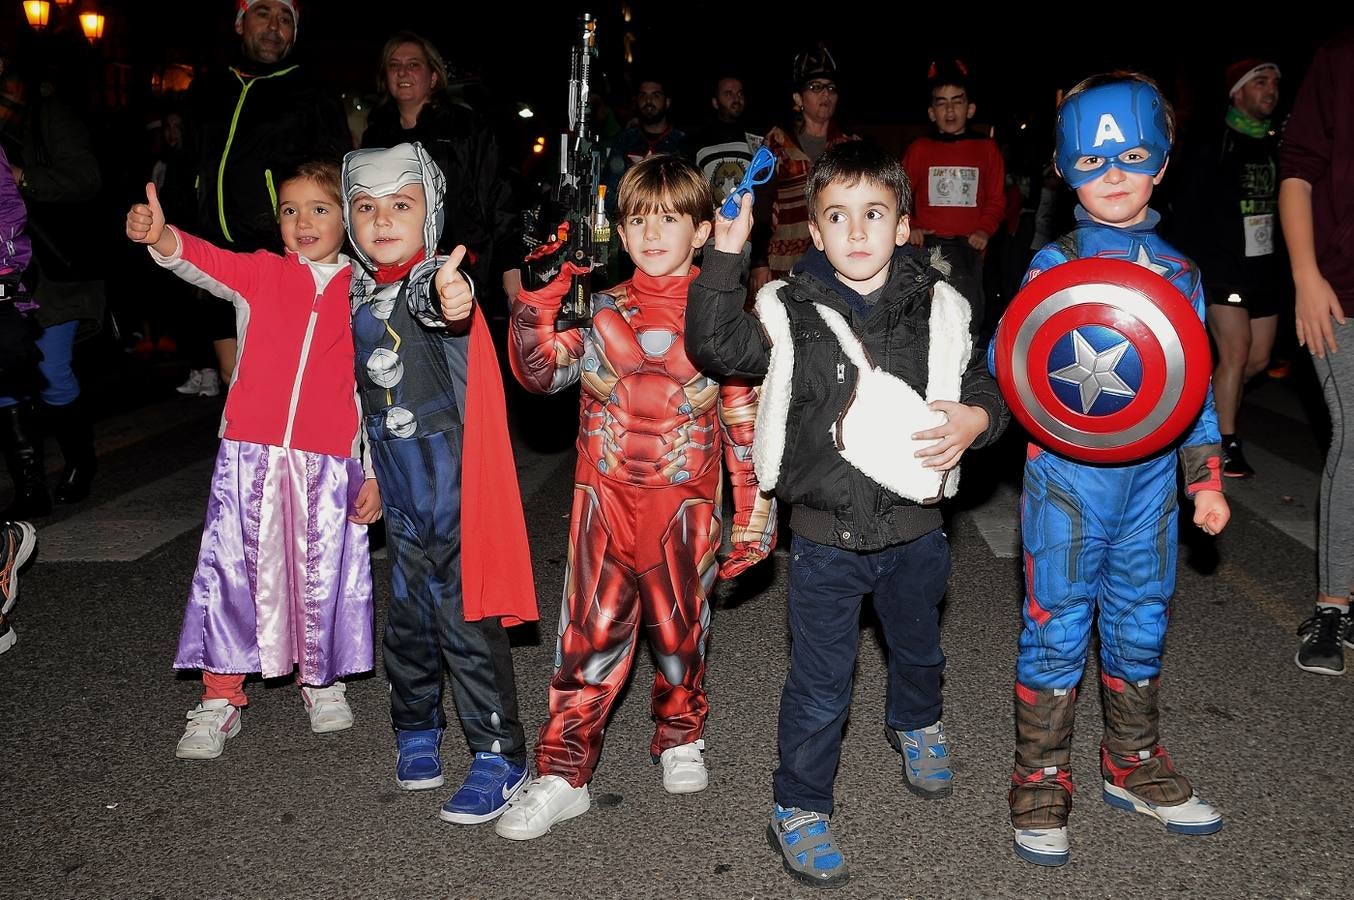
(210,723)
(684,769)
(1194,816)
(539,805)
(328,708)
(193,385)
(1042,846)
(210,385)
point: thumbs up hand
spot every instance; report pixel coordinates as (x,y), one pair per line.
(146,221)
(455,294)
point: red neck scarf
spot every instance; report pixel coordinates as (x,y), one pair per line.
(393,273)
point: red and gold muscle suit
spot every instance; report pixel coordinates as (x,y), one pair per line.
(647,508)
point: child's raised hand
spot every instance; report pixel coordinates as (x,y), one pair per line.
(367,508)
(146,221)
(732,234)
(1211,512)
(454,293)
(962,426)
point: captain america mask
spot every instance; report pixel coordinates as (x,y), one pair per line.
(1122,124)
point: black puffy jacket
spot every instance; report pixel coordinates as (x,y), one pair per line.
(834,503)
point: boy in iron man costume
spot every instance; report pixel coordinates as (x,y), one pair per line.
(647,504)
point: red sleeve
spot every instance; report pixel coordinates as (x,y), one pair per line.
(1307,138)
(231,276)
(992,205)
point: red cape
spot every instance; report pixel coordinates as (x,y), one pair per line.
(496,578)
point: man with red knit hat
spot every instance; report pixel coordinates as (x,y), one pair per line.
(245,127)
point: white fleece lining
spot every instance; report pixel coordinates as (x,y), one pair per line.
(878,424)
(773,405)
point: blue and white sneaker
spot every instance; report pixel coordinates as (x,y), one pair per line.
(491,782)
(1042,846)
(807,848)
(419,765)
(926,760)
(1194,816)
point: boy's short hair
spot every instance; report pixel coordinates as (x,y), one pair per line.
(1117,76)
(323,172)
(665,182)
(851,162)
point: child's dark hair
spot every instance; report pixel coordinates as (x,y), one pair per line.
(323,172)
(665,182)
(1117,76)
(947,73)
(851,162)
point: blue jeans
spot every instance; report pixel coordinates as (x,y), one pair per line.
(57,346)
(827,585)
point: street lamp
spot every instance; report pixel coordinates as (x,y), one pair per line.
(39,16)
(91,23)
(37,13)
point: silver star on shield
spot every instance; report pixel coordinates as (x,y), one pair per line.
(1093,373)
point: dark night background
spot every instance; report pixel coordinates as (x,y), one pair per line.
(518,52)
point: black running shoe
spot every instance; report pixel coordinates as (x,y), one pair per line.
(1234,463)
(1320,650)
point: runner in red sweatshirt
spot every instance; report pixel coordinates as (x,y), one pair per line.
(960,183)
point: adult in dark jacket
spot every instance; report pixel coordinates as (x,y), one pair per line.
(1316,208)
(52,160)
(246,127)
(481,212)
(1226,221)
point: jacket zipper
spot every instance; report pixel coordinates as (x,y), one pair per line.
(230,139)
(301,369)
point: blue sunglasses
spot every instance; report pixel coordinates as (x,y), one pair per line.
(759,172)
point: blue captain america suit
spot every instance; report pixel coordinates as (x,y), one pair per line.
(1100,540)
(1073,513)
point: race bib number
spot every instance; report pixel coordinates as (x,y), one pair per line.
(953,185)
(1259,234)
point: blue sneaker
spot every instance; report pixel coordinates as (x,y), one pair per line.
(808,850)
(926,760)
(419,765)
(491,782)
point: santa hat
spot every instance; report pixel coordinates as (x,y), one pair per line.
(242,6)
(1238,73)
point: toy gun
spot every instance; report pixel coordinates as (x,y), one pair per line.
(572,240)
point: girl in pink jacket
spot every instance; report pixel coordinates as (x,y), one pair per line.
(283,578)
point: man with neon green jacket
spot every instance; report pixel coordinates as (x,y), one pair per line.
(245,126)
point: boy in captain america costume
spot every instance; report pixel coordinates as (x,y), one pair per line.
(433,413)
(1102,538)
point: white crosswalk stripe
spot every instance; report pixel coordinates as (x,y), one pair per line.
(137,523)
(146,518)
(1283,494)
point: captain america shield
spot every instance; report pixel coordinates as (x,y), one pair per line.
(1103,360)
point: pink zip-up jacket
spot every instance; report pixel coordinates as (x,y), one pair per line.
(294,381)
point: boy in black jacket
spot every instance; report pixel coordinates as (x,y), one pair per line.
(871,395)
